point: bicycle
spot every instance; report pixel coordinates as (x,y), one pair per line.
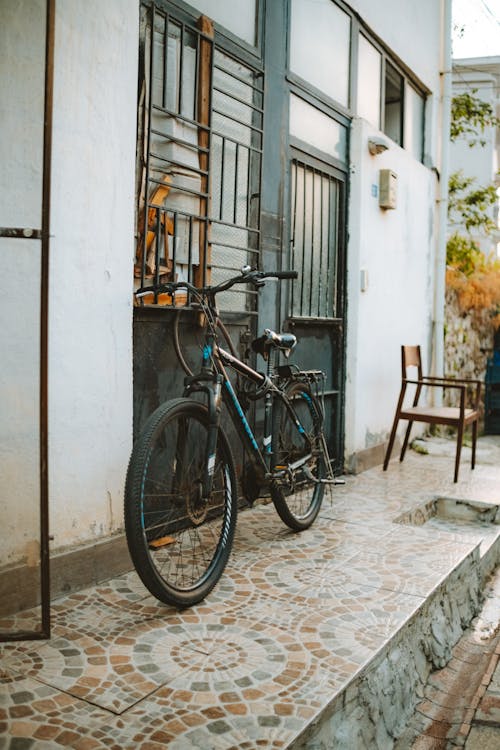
(181,498)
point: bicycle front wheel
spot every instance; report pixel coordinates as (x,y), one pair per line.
(179,540)
(298,495)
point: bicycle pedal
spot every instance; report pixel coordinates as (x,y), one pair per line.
(161,542)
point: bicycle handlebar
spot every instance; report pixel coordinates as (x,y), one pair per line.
(247,276)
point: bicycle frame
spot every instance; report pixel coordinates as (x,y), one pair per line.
(215,383)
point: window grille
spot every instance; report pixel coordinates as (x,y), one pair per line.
(202,124)
(316,209)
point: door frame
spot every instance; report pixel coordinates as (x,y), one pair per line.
(42,234)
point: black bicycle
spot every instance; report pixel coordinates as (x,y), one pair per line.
(181,494)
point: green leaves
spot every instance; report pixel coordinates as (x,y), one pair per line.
(469,207)
(463,254)
(471,115)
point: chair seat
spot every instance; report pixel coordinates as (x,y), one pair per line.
(452,416)
(437,414)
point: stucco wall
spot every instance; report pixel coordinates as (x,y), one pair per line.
(92,236)
(90,316)
(90,324)
(22,48)
(396,249)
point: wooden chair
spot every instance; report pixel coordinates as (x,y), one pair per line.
(453,416)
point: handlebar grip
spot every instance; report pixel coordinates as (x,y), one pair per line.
(144,291)
(281,274)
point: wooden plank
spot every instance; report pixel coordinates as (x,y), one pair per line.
(206,27)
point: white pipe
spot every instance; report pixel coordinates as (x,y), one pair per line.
(440,268)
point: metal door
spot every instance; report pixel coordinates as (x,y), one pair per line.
(316,305)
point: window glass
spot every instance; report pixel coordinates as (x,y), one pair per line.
(315,127)
(393,109)
(369,62)
(414,122)
(238,16)
(319,46)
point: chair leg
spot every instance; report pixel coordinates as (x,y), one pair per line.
(391,442)
(474,440)
(406,440)
(460,437)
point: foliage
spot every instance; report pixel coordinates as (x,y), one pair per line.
(471,115)
(480,291)
(469,206)
(473,277)
(463,255)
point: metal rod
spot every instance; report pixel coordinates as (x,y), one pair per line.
(294,224)
(322,270)
(313,223)
(235,196)
(44,308)
(181,68)
(303,238)
(24,233)
(222,162)
(165,60)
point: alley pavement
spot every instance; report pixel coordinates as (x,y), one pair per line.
(461,702)
(328,638)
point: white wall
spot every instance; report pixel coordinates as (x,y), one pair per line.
(90,319)
(396,247)
(92,238)
(91,268)
(22,58)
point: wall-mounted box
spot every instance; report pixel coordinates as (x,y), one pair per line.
(387,194)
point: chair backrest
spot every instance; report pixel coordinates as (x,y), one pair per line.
(410,357)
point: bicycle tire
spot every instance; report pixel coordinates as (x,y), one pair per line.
(298,499)
(178,541)
(189,356)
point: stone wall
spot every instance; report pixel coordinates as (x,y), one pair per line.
(375,709)
(468,342)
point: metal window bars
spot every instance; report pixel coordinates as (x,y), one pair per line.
(314,241)
(202,130)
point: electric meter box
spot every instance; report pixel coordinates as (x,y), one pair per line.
(387,188)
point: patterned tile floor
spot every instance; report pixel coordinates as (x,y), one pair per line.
(291,623)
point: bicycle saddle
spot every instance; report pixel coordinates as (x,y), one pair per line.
(269,340)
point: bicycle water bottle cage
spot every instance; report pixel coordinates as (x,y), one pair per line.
(271,340)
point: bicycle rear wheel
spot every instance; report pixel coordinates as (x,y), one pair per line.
(179,541)
(297,496)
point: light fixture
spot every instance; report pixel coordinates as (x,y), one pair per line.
(377,146)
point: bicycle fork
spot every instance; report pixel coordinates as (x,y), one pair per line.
(213,394)
(214,410)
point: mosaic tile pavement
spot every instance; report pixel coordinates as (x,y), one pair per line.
(294,620)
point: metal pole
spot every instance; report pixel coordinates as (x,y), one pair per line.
(440,268)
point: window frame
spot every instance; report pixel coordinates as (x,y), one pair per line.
(409,79)
(215,225)
(359,27)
